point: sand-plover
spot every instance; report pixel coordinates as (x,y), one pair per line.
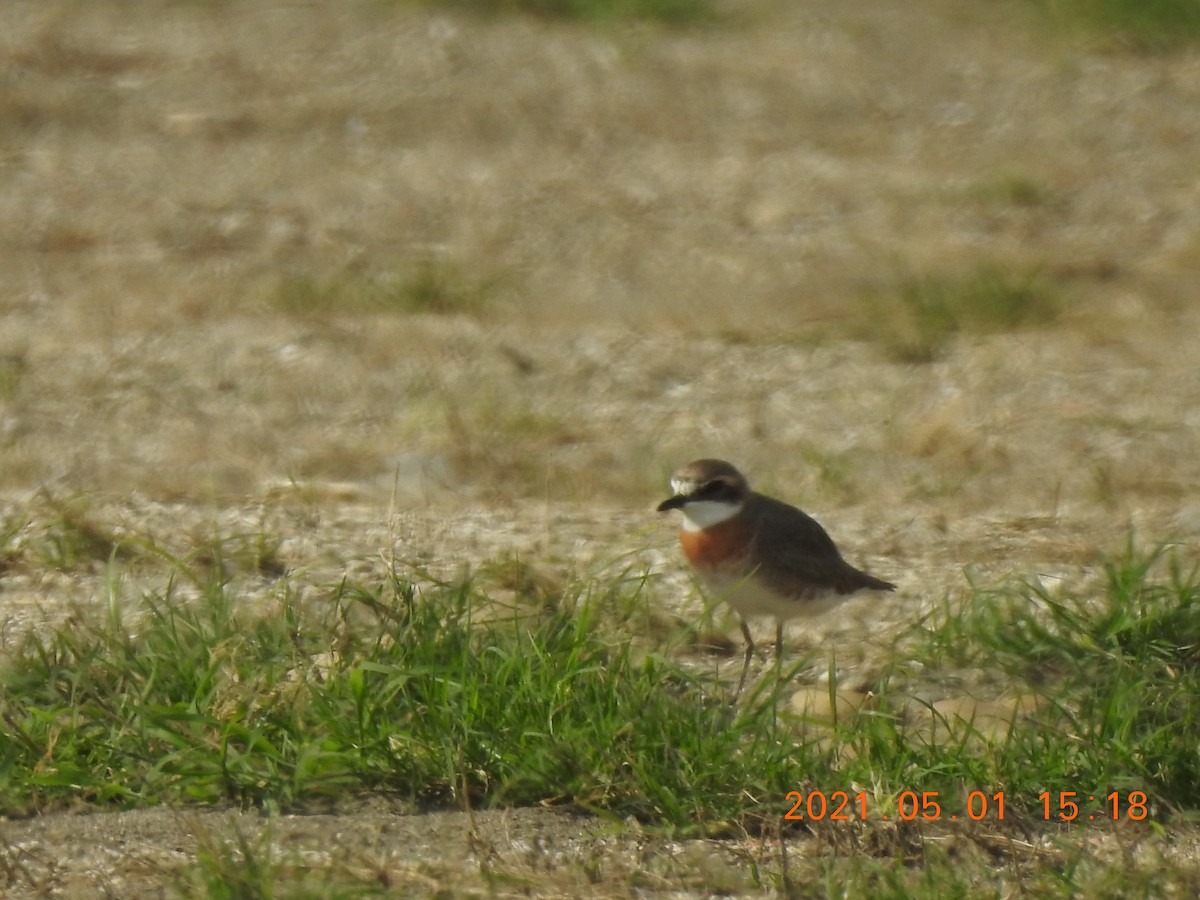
(762,556)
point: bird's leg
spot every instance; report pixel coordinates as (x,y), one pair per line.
(749,639)
(746,661)
(778,648)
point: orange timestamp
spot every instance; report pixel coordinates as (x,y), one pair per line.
(842,806)
(1065,806)
(1071,806)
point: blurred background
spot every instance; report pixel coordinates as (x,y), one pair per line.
(930,265)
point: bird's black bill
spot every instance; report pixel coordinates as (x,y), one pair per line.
(676,502)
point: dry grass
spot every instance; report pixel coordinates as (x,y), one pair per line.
(490,266)
(215,254)
(486,267)
(459,286)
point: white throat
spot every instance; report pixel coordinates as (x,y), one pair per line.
(701,514)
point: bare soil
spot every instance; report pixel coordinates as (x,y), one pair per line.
(670,234)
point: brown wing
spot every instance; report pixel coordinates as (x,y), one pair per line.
(805,561)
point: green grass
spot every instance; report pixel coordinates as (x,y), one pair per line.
(918,319)
(212,703)
(1152,25)
(1121,673)
(13,369)
(1146,25)
(426,286)
(439,694)
(238,868)
(669,11)
(1007,188)
(239,864)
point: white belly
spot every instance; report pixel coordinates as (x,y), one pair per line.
(750,597)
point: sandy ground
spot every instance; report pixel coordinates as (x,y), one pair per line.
(658,244)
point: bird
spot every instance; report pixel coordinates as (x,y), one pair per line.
(762,556)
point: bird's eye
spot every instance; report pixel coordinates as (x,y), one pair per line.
(712,487)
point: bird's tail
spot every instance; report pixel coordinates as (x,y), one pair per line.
(865,582)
